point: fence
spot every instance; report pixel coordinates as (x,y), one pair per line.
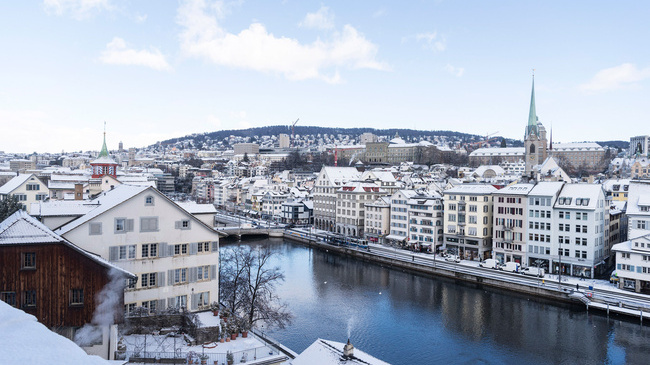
(192,357)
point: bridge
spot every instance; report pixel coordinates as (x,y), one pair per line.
(255,231)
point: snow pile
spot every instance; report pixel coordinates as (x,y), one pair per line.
(26,341)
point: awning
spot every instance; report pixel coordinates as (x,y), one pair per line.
(396,237)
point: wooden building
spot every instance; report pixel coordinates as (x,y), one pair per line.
(47,276)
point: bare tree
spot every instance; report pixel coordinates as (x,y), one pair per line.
(248,286)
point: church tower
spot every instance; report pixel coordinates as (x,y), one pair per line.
(104,165)
(535,138)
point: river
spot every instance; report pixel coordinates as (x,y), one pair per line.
(405,318)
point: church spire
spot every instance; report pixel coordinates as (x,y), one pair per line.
(104,151)
(532,115)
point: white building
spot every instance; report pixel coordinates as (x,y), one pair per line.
(633,263)
(581,232)
(27,188)
(638,209)
(328,182)
(541,223)
(425,221)
(350,206)
(139,229)
(377,223)
(509,235)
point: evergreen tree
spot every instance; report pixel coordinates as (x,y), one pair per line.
(9,206)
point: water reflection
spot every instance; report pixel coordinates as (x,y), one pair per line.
(404,318)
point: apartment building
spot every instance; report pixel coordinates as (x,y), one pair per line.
(581,234)
(351,199)
(329,181)
(638,209)
(140,230)
(510,210)
(468,220)
(425,221)
(377,223)
(633,264)
(540,223)
(399,219)
(27,188)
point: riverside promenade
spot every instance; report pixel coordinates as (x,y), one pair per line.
(592,294)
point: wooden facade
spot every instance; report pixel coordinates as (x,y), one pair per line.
(58,276)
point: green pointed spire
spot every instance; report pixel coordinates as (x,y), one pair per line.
(532,115)
(104,151)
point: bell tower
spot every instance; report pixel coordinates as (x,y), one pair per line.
(104,164)
(535,137)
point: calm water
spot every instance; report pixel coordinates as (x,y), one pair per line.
(403,318)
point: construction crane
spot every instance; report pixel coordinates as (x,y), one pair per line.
(293,132)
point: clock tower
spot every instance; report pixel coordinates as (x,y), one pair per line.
(535,138)
(104,165)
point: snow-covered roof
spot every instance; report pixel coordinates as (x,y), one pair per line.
(26,341)
(491,151)
(54,208)
(106,201)
(578,193)
(194,208)
(637,191)
(14,183)
(546,188)
(471,189)
(577,146)
(60,185)
(326,352)
(516,189)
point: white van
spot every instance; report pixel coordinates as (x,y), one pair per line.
(533,271)
(510,266)
(489,263)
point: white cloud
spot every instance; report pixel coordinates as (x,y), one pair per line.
(456,71)
(616,77)
(430,40)
(379,13)
(78,9)
(117,53)
(140,18)
(256,49)
(322,19)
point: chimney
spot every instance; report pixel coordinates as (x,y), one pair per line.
(348,350)
(78,191)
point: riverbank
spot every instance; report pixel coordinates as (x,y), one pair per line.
(586,294)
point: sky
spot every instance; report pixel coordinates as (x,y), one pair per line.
(154,69)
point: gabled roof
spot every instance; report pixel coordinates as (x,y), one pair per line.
(637,193)
(15,183)
(54,208)
(22,229)
(105,201)
(325,352)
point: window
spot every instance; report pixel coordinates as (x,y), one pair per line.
(204,246)
(29,298)
(149,250)
(640,224)
(148,200)
(203,299)
(126,252)
(180,249)
(31,187)
(130,283)
(8,297)
(76,297)
(149,280)
(28,260)
(203,273)
(95,228)
(150,306)
(148,224)
(128,308)
(181,301)
(180,276)
(120,225)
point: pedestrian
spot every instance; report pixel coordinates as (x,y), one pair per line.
(577,286)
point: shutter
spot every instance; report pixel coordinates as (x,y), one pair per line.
(162,249)
(195,301)
(213,272)
(177,224)
(161,279)
(215,246)
(632,268)
(638,269)
(155,225)
(113,253)
(129,225)
(170,279)
(170,250)
(618,266)
(194,248)
(161,305)
(171,302)
(193,274)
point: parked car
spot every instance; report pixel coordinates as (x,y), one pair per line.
(510,266)
(489,263)
(613,278)
(533,271)
(453,258)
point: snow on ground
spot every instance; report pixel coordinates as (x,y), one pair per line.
(168,344)
(26,341)
(208,319)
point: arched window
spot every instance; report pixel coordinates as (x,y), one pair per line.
(532,148)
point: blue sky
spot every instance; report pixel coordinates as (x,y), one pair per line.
(160,69)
